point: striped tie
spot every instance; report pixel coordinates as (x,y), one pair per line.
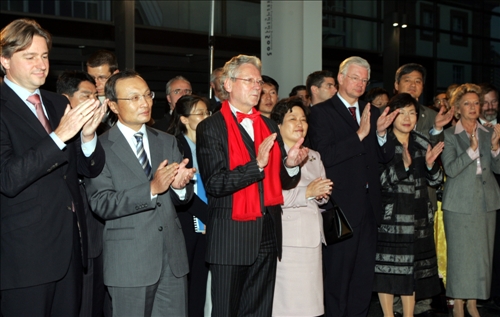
(141,155)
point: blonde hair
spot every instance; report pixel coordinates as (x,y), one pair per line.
(461,91)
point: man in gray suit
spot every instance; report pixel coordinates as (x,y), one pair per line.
(145,261)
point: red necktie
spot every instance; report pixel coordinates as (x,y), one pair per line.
(352,110)
(240,115)
(35,100)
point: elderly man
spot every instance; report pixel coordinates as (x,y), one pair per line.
(145,261)
(351,137)
(41,155)
(175,89)
(244,165)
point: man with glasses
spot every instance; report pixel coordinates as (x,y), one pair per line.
(244,166)
(320,86)
(145,261)
(175,88)
(489,109)
(351,137)
(100,66)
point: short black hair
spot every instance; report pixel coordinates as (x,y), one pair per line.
(103,57)
(110,87)
(374,93)
(408,68)
(284,106)
(296,89)
(317,78)
(269,80)
(403,100)
(68,81)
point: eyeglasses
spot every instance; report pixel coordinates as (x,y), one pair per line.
(250,81)
(183,91)
(136,98)
(102,78)
(359,80)
(202,113)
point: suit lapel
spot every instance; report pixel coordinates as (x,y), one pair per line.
(124,152)
(155,149)
(341,109)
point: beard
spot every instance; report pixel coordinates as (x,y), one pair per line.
(491,115)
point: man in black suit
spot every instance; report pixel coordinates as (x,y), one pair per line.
(175,89)
(78,87)
(352,139)
(244,167)
(41,154)
(320,86)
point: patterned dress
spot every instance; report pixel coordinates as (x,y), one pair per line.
(406,254)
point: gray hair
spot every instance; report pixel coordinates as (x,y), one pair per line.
(171,81)
(213,75)
(354,60)
(231,69)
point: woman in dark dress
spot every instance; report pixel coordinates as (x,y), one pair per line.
(188,112)
(406,261)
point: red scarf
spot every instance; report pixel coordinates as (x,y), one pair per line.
(246,205)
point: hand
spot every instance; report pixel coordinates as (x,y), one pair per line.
(319,188)
(473,140)
(432,153)
(89,128)
(73,119)
(296,154)
(163,178)
(364,123)
(264,149)
(385,120)
(443,118)
(495,137)
(184,175)
(406,155)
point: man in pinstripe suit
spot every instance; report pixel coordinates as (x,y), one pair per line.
(244,166)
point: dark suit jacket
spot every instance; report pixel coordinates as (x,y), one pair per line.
(233,242)
(163,123)
(349,163)
(214,105)
(137,227)
(39,183)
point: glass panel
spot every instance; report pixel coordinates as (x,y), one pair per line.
(65,8)
(79,10)
(49,7)
(35,6)
(352,33)
(495,24)
(16,5)
(243,18)
(366,8)
(453,73)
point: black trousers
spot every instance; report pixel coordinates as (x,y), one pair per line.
(349,268)
(247,290)
(58,298)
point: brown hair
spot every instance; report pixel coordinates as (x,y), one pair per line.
(18,36)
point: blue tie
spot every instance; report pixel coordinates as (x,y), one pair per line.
(141,155)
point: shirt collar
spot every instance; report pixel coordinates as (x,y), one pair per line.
(346,103)
(20,91)
(459,127)
(128,132)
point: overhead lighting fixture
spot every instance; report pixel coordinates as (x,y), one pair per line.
(395,24)
(404,24)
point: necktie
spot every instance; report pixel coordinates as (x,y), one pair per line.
(240,115)
(352,110)
(141,155)
(35,100)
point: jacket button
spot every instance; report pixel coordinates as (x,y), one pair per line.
(136,207)
(69,207)
(484,183)
(92,163)
(158,204)
(64,176)
(160,228)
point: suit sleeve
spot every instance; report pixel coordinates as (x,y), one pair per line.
(90,166)
(454,162)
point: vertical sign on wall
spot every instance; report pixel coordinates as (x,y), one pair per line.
(291,41)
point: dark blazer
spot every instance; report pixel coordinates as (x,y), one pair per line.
(163,123)
(233,242)
(137,227)
(39,183)
(349,163)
